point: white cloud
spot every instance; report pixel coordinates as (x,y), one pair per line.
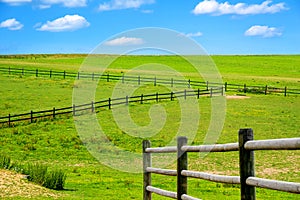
(263,31)
(123,4)
(15,2)
(197,34)
(66,3)
(215,8)
(66,23)
(124,41)
(11,24)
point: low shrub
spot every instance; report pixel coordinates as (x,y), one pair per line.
(5,162)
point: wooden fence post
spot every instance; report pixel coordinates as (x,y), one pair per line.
(109,103)
(172,82)
(142,98)
(78,75)
(147,176)
(184,94)
(22,71)
(156,96)
(74,110)
(266,89)
(50,73)
(225,86)
(246,165)
(127,100)
(285,88)
(64,74)
(107,77)
(198,93)
(31,116)
(93,76)
(139,80)
(92,106)
(172,96)
(211,92)
(36,72)
(189,83)
(181,165)
(53,112)
(207,85)
(8,120)
(155,81)
(245,88)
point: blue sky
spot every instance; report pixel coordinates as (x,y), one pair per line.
(220,26)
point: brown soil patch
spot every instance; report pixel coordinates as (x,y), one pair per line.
(14,185)
(237,97)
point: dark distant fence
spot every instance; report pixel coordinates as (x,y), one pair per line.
(247,180)
(32,116)
(244,88)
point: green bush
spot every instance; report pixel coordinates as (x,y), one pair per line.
(5,162)
(55,180)
(37,173)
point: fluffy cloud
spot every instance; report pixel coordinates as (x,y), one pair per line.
(197,34)
(263,31)
(15,2)
(215,8)
(66,3)
(123,4)
(11,24)
(124,41)
(66,23)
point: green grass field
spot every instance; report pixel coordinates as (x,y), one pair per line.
(55,141)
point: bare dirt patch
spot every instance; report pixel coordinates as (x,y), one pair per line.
(14,185)
(237,97)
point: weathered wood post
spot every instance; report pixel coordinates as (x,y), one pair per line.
(181,165)
(155,81)
(225,86)
(78,75)
(64,74)
(74,110)
(107,77)
(156,95)
(207,85)
(285,90)
(93,75)
(198,93)
(92,106)
(142,98)
(50,73)
(147,176)
(211,92)
(184,94)
(31,116)
(127,101)
(172,82)
(266,89)
(189,83)
(109,103)
(246,165)
(8,120)
(172,96)
(53,112)
(245,88)
(36,72)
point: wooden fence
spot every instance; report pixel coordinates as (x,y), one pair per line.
(247,180)
(244,88)
(108,103)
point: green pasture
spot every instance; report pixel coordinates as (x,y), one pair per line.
(55,142)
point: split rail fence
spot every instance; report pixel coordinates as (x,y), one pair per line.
(247,180)
(244,88)
(108,103)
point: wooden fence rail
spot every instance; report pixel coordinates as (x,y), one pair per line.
(108,103)
(244,88)
(247,180)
